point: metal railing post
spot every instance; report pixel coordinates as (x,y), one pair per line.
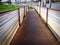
(47,16)
(19,16)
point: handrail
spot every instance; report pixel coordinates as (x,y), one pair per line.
(47,12)
(52,8)
(8,11)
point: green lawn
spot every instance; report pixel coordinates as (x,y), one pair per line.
(30,7)
(6,7)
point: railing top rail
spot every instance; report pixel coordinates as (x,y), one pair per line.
(52,9)
(11,10)
(8,11)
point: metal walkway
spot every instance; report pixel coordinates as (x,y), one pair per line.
(34,32)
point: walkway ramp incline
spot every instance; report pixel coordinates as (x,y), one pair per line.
(34,32)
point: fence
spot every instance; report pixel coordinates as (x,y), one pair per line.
(9,24)
(52,18)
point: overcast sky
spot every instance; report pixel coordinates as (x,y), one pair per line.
(25,0)
(14,0)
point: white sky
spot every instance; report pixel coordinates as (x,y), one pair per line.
(25,0)
(14,0)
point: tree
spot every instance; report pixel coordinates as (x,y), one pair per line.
(59,0)
(50,2)
(0,1)
(9,1)
(39,0)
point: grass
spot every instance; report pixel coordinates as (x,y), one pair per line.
(59,0)
(6,7)
(30,7)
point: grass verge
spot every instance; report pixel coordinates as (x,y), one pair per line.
(30,7)
(6,7)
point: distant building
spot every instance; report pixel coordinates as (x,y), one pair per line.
(34,0)
(12,1)
(52,0)
(4,0)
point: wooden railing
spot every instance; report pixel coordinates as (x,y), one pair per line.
(52,17)
(10,21)
(48,12)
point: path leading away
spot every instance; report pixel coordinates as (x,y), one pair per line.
(33,32)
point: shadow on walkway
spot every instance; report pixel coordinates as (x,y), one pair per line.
(33,32)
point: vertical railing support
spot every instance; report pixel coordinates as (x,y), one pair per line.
(24,11)
(19,16)
(28,7)
(47,16)
(40,8)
